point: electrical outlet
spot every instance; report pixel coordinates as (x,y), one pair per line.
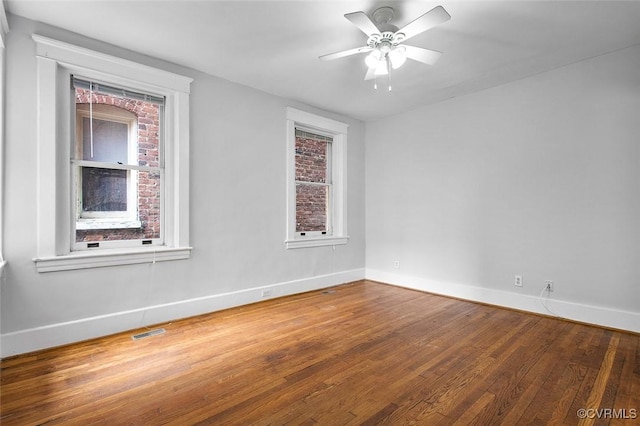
(518,281)
(396,264)
(267,292)
(548,286)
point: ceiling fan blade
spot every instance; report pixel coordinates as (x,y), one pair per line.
(435,16)
(345,53)
(362,21)
(371,74)
(419,54)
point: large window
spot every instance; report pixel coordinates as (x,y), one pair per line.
(113,156)
(316,192)
(116,166)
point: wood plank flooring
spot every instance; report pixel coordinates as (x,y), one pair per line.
(362,353)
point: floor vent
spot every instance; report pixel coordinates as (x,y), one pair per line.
(147,334)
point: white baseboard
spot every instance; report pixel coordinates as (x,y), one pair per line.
(33,339)
(606,317)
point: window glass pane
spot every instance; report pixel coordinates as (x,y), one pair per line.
(109,142)
(311,207)
(312,157)
(149,190)
(104,190)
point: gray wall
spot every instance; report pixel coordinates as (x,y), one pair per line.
(539,177)
(237,215)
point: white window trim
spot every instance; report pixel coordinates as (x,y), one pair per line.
(56,62)
(338,131)
(4,29)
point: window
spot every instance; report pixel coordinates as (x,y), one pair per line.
(313,183)
(316,194)
(116,166)
(113,155)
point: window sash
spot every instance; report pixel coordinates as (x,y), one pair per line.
(328,211)
(131,183)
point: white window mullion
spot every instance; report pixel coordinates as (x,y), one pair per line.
(304,182)
(104,165)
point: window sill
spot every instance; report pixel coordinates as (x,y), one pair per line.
(110,257)
(89,224)
(316,242)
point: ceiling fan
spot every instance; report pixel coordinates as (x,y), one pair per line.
(386,42)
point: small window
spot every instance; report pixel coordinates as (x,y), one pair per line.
(116,167)
(316,194)
(313,183)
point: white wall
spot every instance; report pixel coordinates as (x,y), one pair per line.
(539,177)
(4,28)
(238,221)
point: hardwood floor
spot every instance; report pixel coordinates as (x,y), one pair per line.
(362,353)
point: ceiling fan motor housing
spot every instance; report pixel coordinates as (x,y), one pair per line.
(382,18)
(385,41)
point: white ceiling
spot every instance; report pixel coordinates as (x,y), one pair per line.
(274,45)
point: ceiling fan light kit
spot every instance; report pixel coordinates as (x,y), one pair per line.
(384,43)
(397,57)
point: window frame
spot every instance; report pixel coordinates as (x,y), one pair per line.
(328,184)
(56,62)
(337,212)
